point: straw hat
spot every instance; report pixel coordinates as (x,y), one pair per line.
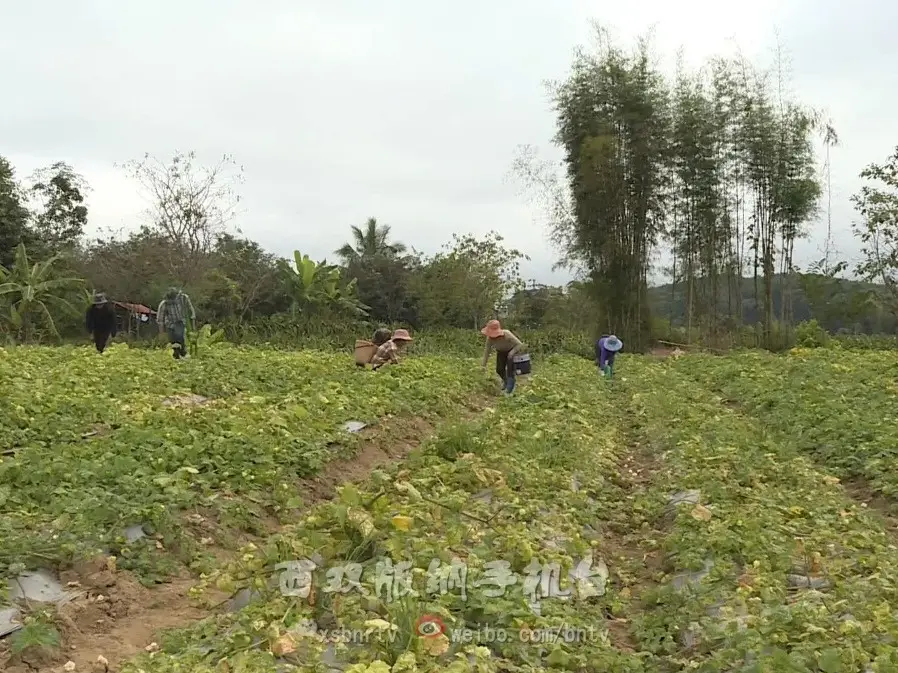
(401,335)
(493,329)
(613,344)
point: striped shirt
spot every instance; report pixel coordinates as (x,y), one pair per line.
(174,311)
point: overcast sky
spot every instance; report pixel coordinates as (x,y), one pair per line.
(406,111)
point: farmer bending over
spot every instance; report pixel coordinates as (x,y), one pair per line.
(100,321)
(506,345)
(172,318)
(606,348)
(388,352)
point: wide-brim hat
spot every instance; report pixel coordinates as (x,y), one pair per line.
(493,329)
(401,335)
(613,344)
(100,299)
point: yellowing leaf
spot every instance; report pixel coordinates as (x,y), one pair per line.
(701,513)
(830,480)
(436,645)
(816,563)
(402,522)
(283,645)
(380,625)
(226,584)
(362,521)
(408,489)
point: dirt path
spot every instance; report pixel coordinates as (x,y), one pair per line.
(116,617)
(636,565)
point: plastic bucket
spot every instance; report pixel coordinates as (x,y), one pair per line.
(364,351)
(521,364)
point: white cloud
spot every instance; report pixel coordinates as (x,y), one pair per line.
(405,111)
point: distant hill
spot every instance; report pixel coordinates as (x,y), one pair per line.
(836,304)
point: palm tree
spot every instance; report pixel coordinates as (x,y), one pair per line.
(372,241)
(30,291)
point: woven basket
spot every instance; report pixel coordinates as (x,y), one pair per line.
(364,351)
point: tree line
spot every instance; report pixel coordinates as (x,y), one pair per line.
(719,165)
(187,240)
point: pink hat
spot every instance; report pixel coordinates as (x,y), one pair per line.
(401,335)
(493,329)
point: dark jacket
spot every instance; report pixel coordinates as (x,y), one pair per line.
(101,319)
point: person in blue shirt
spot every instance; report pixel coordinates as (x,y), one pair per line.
(606,348)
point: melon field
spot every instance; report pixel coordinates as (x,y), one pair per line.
(253,511)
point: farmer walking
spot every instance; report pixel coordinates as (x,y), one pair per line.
(606,347)
(388,351)
(100,321)
(506,345)
(172,317)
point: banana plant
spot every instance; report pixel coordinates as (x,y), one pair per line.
(31,292)
(199,341)
(314,285)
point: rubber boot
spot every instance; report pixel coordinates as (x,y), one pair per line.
(509,385)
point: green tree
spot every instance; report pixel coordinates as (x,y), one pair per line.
(133,267)
(383,285)
(469,282)
(613,123)
(33,292)
(13,215)
(245,281)
(59,213)
(371,241)
(877,204)
(718,164)
(697,229)
(835,302)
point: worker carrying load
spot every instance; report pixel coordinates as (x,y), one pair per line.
(510,357)
(606,348)
(365,350)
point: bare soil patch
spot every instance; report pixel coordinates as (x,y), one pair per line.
(389,441)
(113,619)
